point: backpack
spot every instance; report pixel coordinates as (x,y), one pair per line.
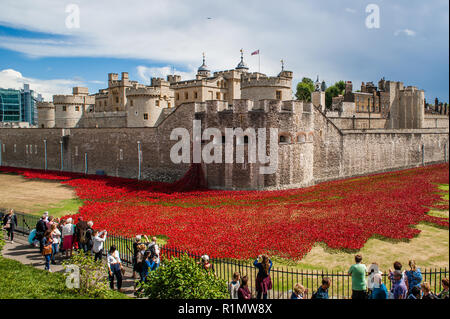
(83,236)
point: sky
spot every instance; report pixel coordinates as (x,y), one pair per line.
(44,44)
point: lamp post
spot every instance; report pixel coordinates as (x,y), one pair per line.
(45,154)
(85,164)
(62,155)
(139,160)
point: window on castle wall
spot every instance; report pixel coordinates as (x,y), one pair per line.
(177,96)
(225,96)
(64,108)
(117,99)
(186,95)
(195,95)
(157,102)
(218,95)
(131,102)
(145,116)
(301,138)
(283,139)
(77,108)
(278,95)
(169,104)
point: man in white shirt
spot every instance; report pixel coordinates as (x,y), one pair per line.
(97,243)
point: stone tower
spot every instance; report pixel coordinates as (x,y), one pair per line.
(46,114)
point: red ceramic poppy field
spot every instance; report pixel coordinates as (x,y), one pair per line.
(342,214)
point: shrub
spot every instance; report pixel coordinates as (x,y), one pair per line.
(183,278)
(92,275)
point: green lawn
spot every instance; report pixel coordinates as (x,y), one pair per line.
(20,281)
(59,209)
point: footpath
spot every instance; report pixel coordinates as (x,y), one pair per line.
(25,253)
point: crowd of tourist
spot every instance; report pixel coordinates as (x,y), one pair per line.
(56,236)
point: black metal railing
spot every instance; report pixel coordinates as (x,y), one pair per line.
(283,278)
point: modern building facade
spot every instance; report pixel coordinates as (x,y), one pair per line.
(19,106)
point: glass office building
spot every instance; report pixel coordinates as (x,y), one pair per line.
(19,105)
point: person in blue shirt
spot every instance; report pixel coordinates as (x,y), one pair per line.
(413,276)
(263,280)
(322,292)
(379,290)
(146,266)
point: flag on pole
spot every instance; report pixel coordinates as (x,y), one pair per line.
(256,52)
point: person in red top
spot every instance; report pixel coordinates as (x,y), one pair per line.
(244,292)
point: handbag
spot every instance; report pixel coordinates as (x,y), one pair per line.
(47,250)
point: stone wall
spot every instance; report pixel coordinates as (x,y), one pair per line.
(314,149)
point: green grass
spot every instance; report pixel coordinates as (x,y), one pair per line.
(64,207)
(20,281)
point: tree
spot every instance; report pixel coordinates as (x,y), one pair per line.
(331,92)
(341,86)
(183,278)
(304,90)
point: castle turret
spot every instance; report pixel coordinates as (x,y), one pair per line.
(257,86)
(46,114)
(69,109)
(203,71)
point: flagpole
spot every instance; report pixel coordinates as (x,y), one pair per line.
(259,61)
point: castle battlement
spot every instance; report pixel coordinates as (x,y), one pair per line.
(244,106)
(73,99)
(262,80)
(45,105)
(144,91)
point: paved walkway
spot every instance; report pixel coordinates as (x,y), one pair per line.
(23,252)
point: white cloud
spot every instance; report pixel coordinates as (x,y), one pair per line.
(12,79)
(146,73)
(408,32)
(313,37)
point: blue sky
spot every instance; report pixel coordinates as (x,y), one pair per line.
(149,38)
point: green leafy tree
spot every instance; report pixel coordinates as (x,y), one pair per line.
(341,86)
(304,90)
(92,275)
(331,92)
(183,278)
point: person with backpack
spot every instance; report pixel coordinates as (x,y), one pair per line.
(47,249)
(41,228)
(413,276)
(154,251)
(10,224)
(86,237)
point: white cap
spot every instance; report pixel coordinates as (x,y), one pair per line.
(205,257)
